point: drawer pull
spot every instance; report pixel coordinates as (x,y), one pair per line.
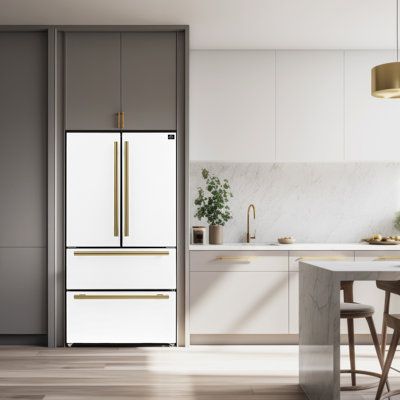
(121,253)
(388,258)
(317,258)
(239,259)
(121,297)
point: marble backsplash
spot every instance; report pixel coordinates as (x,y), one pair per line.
(327,202)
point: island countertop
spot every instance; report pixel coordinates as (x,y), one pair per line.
(319,319)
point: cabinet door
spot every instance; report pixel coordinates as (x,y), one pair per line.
(149,178)
(309,106)
(238,303)
(149,80)
(372,132)
(93,84)
(232,106)
(92,187)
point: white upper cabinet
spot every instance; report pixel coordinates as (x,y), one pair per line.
(309,106)
(232,106)
(149,189)
(372,125)
(92,189)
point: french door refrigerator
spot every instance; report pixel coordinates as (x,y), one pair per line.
(121,237)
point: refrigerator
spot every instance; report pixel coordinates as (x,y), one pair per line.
(120,237)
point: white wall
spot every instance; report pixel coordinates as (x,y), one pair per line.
(296,106)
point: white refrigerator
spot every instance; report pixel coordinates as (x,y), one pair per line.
(121,237)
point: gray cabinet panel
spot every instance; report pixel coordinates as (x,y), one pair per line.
(92,80)
(149,80)
(23,136)
(23,302)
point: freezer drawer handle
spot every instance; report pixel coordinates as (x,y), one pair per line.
(121,297)
(121,253)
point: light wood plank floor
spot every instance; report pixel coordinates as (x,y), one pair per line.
(195,373)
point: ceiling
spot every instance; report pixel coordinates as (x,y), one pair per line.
(230,24)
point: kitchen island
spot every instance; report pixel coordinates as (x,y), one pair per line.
(319,313)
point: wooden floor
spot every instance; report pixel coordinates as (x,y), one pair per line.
(196,373)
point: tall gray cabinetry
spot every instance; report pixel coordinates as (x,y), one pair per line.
(129,72)
(23,171)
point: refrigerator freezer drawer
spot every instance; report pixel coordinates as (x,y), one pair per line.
(121,317)
(109,269)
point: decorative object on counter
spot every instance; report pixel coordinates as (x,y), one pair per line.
(382,240)
(213,204)
(385,78)
(286,240)
(198,234)
(397,221)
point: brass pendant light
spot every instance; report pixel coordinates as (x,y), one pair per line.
(385,78)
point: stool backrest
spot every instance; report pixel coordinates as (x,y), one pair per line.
(347,287)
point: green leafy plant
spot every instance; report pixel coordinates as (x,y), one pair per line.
(213,201)
(397,221)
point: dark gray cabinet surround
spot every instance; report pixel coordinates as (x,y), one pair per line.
(58,78)
(130,72)
(23,172)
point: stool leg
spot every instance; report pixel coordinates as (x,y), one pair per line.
(388,363)
(384,326)
(375,340)
(350,334)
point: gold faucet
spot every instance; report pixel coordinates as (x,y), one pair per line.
(248,236)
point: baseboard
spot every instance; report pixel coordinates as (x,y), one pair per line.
(23,340)
(266,339)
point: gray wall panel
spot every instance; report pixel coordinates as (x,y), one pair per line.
(23,135)
(23,297)
(149,80)
(92,80)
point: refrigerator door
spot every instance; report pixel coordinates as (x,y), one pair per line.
(93,189)
(149,189)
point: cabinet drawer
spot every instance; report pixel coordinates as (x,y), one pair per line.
(380,255)
(296,256)
(121,317)
(238,302)
(271,261)
(121,269)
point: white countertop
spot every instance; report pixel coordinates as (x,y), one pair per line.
(294,247)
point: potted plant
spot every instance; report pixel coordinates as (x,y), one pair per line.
(213,205)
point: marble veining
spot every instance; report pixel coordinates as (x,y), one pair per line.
(314,202)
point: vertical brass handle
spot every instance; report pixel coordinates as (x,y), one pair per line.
(122,120)
(126,189)
(118,120)
(116,208)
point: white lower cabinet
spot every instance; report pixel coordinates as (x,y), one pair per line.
(293,302)
(238,302)
(121,317)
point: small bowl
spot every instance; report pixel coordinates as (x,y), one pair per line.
(286,240)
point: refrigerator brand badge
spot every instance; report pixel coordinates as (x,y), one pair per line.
(171,137)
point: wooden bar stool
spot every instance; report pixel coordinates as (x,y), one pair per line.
(391,321)
(350,310)
(390,287)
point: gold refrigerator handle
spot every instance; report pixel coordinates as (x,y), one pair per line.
(120,253)
(126,188)
(116,208)
(121,297)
